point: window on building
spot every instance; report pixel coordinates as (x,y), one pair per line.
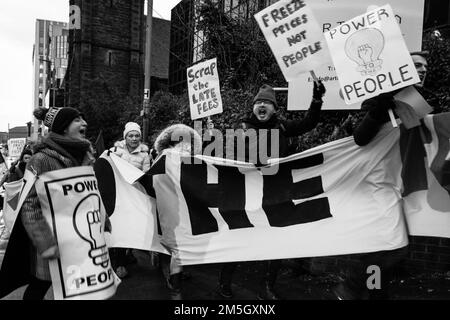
(109,58)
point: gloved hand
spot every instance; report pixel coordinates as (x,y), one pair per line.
(318,91)
(386,101)
(379,106)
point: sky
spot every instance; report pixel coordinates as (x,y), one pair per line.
(17,28)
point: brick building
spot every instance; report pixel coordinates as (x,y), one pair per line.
(3,137)
(18,132)
(160,55)
(110,46)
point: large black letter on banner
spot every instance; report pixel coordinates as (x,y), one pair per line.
(280,191)
(228,195)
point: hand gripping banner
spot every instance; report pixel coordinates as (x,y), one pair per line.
(72,206)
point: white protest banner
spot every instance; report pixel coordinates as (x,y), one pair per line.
(204,89)
(337,198)
(370,55)
(426,194)
(15,146)
(413,98)
(131,211)
(72,206)
(329,14)
(15,194)
(294,36)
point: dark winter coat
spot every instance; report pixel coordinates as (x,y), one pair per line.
(286,129)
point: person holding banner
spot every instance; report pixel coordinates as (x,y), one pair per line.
(18,169)
(378,107)
(65,146)
(264,117)
(354,287)
(136,153)
(420,62)
(187,141)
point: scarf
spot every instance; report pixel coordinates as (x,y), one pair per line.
(73,149)
(272,123)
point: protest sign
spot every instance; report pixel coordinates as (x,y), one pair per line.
(370,55)
(72,206)
(222,210)
(409,15)
(294,36)
(204,89)
(15,146)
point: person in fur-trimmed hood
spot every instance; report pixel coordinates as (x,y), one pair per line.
(187,141)
(131,149)
(168,139)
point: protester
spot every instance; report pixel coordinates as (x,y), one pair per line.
(136,153)
(377,107)
(63,147)
(17,169)
(189,144)
(264,117)
(354,286)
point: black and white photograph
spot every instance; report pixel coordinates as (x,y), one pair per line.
(225,158)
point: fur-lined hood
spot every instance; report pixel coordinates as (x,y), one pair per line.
(191,140)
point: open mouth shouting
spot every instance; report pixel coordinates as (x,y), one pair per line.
(263,110)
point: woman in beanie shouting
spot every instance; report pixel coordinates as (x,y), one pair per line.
(63,147)
(136,153)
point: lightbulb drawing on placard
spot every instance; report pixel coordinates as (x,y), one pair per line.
(364,47)
(88,225)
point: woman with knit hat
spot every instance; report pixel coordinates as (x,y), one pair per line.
(65,146)
(136,153)
(264,118)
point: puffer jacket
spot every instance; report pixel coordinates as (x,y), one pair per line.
(139,157)
(44,160)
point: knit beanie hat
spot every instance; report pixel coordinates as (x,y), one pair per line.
(423,54)
(266,92)
(56,119)
(131,126)
(25,151)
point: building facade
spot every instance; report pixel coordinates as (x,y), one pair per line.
(3,137)
(159,67)
(186,41)
(109,46)
(50,62)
